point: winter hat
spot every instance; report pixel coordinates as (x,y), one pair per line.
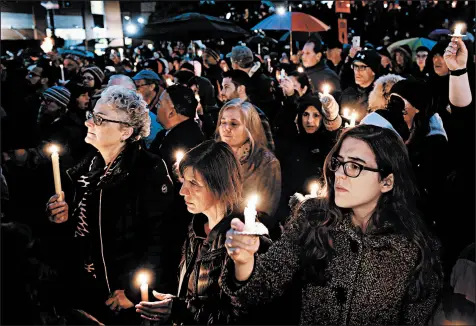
(97,74)
(405,50)
(212,54)
(382,50)
(370,57)
(334,44)
(242,56)
(187,66)
(183,99)
(59,94)
(77,89)
(146,74)
(415,92)
(183,76)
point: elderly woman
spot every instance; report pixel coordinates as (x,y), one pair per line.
(380,94)
(239,125)
(212,191)
(118,221)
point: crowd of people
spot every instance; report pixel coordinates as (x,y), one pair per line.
(362,160)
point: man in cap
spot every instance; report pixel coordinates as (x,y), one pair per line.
(263,91)
(316,68)
(149,85)
(334,55)
(366,67)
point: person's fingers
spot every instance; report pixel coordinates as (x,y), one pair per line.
(56,204)
(58,210)
(110,301)
(53,199)
(237,225)
(250,247)
(114,305)
(156,304)
(161,296)
(156,318)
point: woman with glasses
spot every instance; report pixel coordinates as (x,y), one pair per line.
(118,221)
(360,248)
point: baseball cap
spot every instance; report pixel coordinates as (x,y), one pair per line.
(146,74)
(241,55)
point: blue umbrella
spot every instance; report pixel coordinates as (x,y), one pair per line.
(413,43)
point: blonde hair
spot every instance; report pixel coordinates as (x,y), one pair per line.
(132,104)
(380,94)
(253,126)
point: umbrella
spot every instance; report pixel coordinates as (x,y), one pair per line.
(191,26)
(413,43)
(437,34)
(299,36)
(292,21)
(259,39)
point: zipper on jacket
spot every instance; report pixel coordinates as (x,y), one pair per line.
(102,246)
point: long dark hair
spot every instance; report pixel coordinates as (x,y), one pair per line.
(397,206)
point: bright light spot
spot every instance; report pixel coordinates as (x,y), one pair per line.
(143,278)
(252,202)
(131,28)
(53,149)
(228,15)
(326,89)
(169,82)
(314,189)
(141,20)
(385,5)
(458,29)
(300,69)
(179,156)
(281,11)
(199,53)
(150,46)
(47,45)
(127,17)
(300,5)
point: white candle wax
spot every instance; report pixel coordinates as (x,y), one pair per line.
(259,48)
(144,292)
(250,213)
(56,170)
(353,118)
(62,72)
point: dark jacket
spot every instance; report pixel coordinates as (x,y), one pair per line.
(201,299)
(128,224)
(321,74)
(369,278)
(356,98)
(183,136)
(264,93)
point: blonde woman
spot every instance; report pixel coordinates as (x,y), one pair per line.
(239,125)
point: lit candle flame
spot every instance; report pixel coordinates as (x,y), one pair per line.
(346,113)
(169,82)
(252,202)
(326,89)
(314,189)
(179,156)
(143,278)
(47,45)
(300,69)
(53,149)
(199,53)
(458,29)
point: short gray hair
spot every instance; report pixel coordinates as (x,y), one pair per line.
(380,94)
(122,80)
(131,103)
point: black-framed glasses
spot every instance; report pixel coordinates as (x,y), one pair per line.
(351,169)
(359,68)
(98,120)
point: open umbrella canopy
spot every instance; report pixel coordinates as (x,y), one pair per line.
(438,34)
(260,39)
(299,36)
(191,26)
(292,21)
(413,43)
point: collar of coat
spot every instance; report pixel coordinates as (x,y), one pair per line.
(199,222)
(321,65)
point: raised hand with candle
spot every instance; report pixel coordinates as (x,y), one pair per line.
(329,106)
(456,54)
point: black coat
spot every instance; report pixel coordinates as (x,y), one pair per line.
(321,74)
(129,228)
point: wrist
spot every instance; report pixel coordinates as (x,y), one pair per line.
(243,271)
(458,71)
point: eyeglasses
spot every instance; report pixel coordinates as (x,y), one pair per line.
(359,68)
(351,169)
(32,75)
(98,120)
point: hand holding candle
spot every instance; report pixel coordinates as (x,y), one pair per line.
(458,29)
(53,149)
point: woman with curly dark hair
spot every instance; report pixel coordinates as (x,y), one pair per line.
(360,247)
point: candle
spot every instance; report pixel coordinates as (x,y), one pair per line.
(56,170)
(282,74)
(62,72)
(169,82)
(197,97)
(326,89)
(250,213)
(259,48)
(179,156)
(346,113)
(353,118)
(47,45)
(300,69)
(199,53)
(458,28)
(314,189)
(144,287)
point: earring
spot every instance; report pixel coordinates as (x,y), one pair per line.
(122,140)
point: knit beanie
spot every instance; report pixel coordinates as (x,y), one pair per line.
(59,94)
(371,58)
(183,99)
(97,73)
(415,92)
